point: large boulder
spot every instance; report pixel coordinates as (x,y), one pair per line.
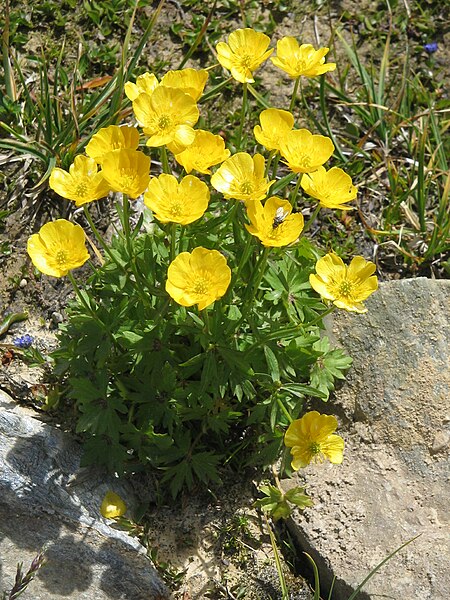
(394,484)
(47,502)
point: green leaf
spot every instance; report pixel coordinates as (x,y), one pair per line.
(330,366)
(236,360)
(10,319)
(274,503)
(196,319)
(301,390)
(83,390)
(272,363)
(101,450)
(298,497)
(129,338)
(234,314)
(204,465)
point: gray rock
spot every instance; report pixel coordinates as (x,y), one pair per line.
(394,483)
(45,503)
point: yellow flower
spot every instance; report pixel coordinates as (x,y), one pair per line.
(58,248)
(273,223)
(198,277)
(145,84)
(205,151)
(275,125)
(127,171)
(242,177)
(332,188)
(174,202)
(112,138)
(112,506)
(311,439)
(305,152)
(167,115)
(190,81)
(298,60)
(83,183)
(245,51)
(346,287)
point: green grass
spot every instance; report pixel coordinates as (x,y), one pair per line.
(389,128)
(53,119)
(388,117)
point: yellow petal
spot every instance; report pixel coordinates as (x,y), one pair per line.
(112,506)
(333,449)
(127,171)
(112,138)
(191,81)
(331,267)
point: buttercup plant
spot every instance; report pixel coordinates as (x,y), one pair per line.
(196,342)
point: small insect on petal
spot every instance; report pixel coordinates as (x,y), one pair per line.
(280,216)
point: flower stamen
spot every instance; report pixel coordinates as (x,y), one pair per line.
(164,122)
(61,257)
(345,288)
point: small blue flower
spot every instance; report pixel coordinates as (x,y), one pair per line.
(24,341)
(431,47)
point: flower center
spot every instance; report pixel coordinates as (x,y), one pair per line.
(345,288)
(304,160)
(314,448)
(246,187)
(61,257)
(300,65)
(246,60)
(81,190)
(164,122)
(176,209)
(200,286)
(127,180)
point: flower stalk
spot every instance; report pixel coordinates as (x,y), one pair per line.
(243,114)
(311,219)
(294,94)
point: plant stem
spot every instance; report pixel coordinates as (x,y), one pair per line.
(81,298)
(242,261)
(322,315)
(311,219)
(126,224)
(295,192)
(173,240)
(232,214)
(284,410)
(140,281)
(281,578)
(269,161)
(259,270)
(243,113)
(276,478)
(205,314)
(164,160)
(97,234)
(275,167)
(294,94)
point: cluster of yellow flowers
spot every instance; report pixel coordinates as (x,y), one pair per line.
(248,49)
(167,112)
